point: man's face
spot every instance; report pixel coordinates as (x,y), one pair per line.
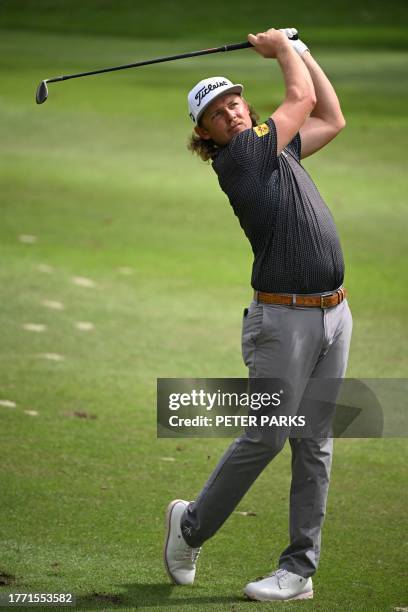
(226,116)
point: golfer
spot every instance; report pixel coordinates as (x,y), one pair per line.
(298,326)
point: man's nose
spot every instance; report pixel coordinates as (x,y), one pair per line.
(230,113)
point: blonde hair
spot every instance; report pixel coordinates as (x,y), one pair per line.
(206,149)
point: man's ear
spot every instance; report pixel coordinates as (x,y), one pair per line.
(202,133)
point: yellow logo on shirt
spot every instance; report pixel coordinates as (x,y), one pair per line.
(261,130)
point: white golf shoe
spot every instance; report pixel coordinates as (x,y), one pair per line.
(179,557)
(280,585)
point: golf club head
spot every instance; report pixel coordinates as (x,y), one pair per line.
(42,92)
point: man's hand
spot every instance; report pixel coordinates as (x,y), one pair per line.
(297,44)
(269,43)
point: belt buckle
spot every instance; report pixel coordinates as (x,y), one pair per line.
(322,305)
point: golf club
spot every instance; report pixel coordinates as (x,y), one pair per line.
(42,89)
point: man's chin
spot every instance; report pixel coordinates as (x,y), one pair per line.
(230,135)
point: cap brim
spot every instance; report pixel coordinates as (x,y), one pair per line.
(238,89)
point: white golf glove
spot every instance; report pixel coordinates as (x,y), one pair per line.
(298,45)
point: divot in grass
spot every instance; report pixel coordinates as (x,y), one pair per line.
(81,281)
(125,270)
(84,325)
(35,327)
(6,578)
(7,403)
(167,459)
(105,598)
(31,412)
(53,304)
(27,238)
(52,356)
(81,414)
(45,268)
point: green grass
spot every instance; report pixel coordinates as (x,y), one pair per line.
(101,176)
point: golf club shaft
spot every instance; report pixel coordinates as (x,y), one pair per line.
(232,47)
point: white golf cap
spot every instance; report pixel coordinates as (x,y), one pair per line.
(206,91)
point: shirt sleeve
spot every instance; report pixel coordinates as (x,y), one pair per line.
(295,146)
(255,149)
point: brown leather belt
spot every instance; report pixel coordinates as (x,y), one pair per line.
(323,300)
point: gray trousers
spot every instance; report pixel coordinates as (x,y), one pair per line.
(295,344)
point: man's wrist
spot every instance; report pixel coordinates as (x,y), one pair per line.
(283,45)
(284,49)
(299,47)
(306,55)
(292,36)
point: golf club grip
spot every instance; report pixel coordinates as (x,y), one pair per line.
(246,45)
(234,46)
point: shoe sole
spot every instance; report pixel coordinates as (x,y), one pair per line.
(169,512)
(308,595)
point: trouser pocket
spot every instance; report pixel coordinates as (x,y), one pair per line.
(251,330)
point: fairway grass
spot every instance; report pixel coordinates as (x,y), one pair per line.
(100,176)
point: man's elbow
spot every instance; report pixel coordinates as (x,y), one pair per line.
(312,100)
(339,124)
(304,97)
(309,101)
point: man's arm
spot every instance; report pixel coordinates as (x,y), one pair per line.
(326,119)
(300,96)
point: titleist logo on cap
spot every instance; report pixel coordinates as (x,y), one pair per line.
(201,93)
(206,91)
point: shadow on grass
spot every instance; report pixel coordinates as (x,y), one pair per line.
(150,595)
